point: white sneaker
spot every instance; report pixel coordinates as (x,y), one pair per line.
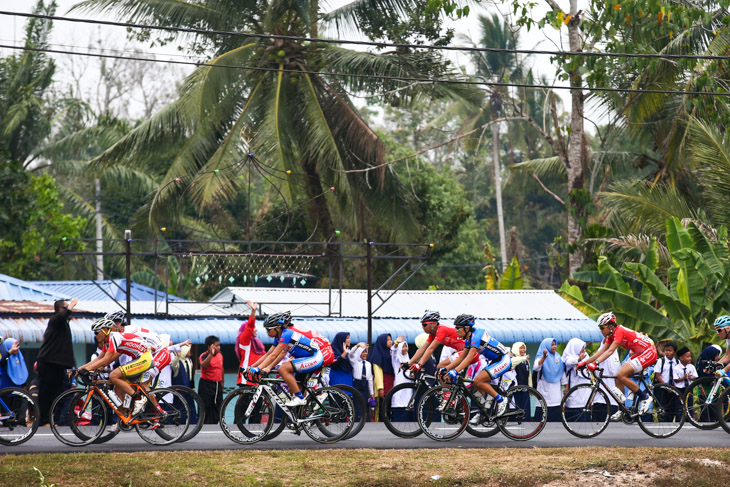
(476,420)
(645,405)
(501,407)
(616,417)
(295,401)
(139,405)
(113,428)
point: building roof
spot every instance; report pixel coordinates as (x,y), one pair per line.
(12,289)
(106,289)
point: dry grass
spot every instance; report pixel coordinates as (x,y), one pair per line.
(554,467)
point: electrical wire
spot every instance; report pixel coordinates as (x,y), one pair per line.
(378,77)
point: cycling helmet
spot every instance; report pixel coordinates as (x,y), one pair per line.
(722,321)
(117,316)
(606,319)
(431,316)
(277,319)
(101,324)
(464,320)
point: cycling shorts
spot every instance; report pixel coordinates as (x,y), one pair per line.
(136,367)
(643,360)
(161,360)
(308,364)
(497,368)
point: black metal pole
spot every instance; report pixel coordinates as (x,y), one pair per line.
(128,252)
(370,290)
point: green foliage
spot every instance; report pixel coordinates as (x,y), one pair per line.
(512,277)
(32,224)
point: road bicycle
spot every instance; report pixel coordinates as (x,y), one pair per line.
(721,411)
(701,395)
(79,416)
(248,413)
(19,416)
(444,412)
(585,412)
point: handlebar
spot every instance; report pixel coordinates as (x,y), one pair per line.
(711,365)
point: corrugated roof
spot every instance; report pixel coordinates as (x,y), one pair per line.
(500,305)
(179,329)
(12,289)
(89,291)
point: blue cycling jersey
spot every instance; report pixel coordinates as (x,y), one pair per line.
(486,345)
(298,344)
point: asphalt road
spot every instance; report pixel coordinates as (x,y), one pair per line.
(374,435)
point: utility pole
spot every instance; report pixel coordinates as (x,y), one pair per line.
(128,254)
(99,242)
(498,194)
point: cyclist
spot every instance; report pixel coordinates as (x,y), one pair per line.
(309,351)
(437,335)
(643,355)
(496,362)
(722,327)
(115,345)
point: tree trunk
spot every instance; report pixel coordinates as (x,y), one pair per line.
(318,209)
(576,166)
(498,193)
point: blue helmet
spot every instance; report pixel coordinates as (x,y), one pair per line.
(722,321)
(277,319)
(431,316)
(464,320)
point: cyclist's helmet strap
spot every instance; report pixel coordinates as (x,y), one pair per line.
(431,316)
(464,320)
(722,321)
(607,319)
(101,324)
(277,319)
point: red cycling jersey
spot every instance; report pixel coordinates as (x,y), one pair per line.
(447,336)
(631,340)
(127,344)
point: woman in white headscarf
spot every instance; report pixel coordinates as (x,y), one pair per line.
(521,365)
(575,351)
(399,355)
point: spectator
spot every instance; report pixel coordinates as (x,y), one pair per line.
(575,352)
(684,373)
(383,373)
(210,388)
(340,371)
(362,375)
(182,368)
(550,369)
(709,354)
(521,364)
(664,367)
(55,356)
(13,369)
(430,366)
(611,367)
(249,349)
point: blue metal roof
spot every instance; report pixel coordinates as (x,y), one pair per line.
(506,331)
(12,289)
(88,291)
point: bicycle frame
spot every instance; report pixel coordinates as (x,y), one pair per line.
(5,411)
(461,387)
(94,389)
(596,379)
(269,391)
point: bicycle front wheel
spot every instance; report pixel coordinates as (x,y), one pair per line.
(19,416)
(666,415)
(361,408)
(329,414)
(78,417)
(196,409)
(243,420)
(443,413)
(584,412)
(699,402)
(399,409)
(721,409)
(166,423)
(518,421)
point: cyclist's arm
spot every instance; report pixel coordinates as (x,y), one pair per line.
(429,351)
(725,359)
(463,360)
(607,353)
(274,358)
(101,361)
(263,357)
(600,351)
(417,356)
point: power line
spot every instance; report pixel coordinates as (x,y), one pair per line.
(190,30)
(370,76)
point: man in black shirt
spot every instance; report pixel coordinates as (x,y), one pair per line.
(54,357)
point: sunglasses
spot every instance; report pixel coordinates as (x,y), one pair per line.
(720,330)
(427,323)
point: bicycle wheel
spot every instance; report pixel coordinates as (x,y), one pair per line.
(484,428)
(584,413)
(244,421)
(399,409)
(518,421)
(443,413)
(19,416)
(666,415)
(170,428)
(721,409)
(78,417)
(196,408)
(281,420)
(330,415)
(360,408)
(699,402)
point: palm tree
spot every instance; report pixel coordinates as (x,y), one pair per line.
(299,118)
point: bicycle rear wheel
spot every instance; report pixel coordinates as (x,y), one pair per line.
(78,417)
(519,422)
(245,422)
(360,411)
(584,414)
(699,402)
(172,426)
(196,409)
(399,409)
(666,415)
(442,413)
(334,412)
(19,416)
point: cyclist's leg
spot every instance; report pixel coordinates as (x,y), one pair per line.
(130,371)
(300,366)
(492,371)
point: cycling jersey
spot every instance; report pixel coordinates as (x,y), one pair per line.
(631,340)
(152,338)
(127,344)
(302,342)
(447,336)
(486,345)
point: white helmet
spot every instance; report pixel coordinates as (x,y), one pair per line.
(606,319)
(101,324)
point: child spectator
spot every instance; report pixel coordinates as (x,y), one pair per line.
(340,371)
(210,387)
(362,375)
(550,368)
(664,367)
(383,373)
(709,354)
(684,373)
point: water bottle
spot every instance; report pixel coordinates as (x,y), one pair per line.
(114,398)
(619,394)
